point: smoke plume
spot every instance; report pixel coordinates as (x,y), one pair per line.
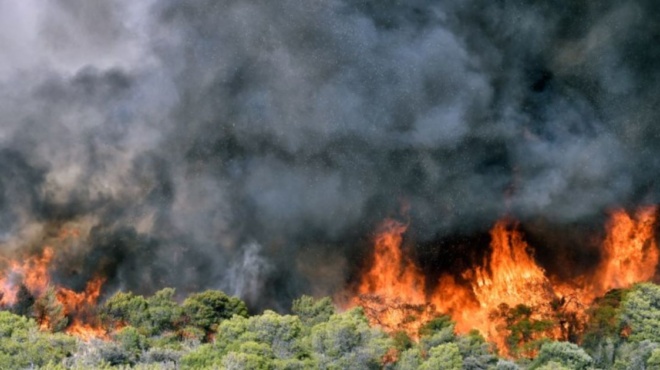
(235,144)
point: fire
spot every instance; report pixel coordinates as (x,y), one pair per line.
(508,276)
(630,252)
(80,306)
(32,275)
(394,293)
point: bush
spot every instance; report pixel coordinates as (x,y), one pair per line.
(22,345)
(565,353)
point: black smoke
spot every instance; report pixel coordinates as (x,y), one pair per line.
(252,146)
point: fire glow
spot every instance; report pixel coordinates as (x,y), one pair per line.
(32,276)
(396,296)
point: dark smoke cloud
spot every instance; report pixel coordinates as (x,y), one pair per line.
(234,144)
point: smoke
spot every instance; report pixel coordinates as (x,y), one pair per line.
(183,134)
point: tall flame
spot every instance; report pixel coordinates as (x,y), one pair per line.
(33,274)
(392,291)
(508,276)
(630,252)
(394,294)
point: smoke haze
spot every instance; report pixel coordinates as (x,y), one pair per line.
(251,146)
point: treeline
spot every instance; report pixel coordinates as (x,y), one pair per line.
(210,330)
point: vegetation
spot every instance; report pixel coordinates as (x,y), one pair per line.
(210,330)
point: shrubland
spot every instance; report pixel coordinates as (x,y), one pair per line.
(211,330)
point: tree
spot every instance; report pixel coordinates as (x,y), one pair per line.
(23,346)
(445,356)
(409,359)
(602,334)
(635,355)
(312,311)
(567,354)
(476,353)
(283,334)
(526,334)
(346,341)
(164,313)
(641,313)
(436,332)
(263,341)
(654,360)
(207,309)
(132,342)
(126,309)
(48,309)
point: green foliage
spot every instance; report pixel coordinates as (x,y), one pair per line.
(260,341)
(131,342)
(312,311)
(604,318)
(125,309)
(526,335)
(281,333)
(409,359)
(654,361)
(553,365)
(203,357)
(22,345)
(634,355)
(436,325)
(347,341)
(641,312)
(567,354)
(47,307)
(437,332)
(476,353)
(402,341)
(163,311)
(602,332)
(445,356)
(156,332)
(506,365)
(207,309)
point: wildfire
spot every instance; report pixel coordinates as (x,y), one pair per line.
(508,276)
(394,294)
(32,274)
(392,291)
(630,252)
(32,277)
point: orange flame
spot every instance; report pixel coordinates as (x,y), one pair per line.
(509,276)
(33,274)
(394,295)
(80,307)
(392,291)
(630,252)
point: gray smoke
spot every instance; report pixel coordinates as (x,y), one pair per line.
(182,134)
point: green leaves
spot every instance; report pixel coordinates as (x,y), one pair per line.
(22,345)
(207,309)
(312,311)
(566,354)
(641,313)
(211,330)
(346,340)
(445,356)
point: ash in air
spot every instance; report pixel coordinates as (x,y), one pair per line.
(251,146)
